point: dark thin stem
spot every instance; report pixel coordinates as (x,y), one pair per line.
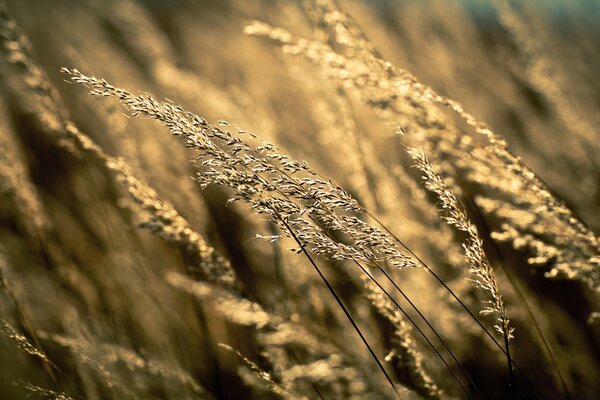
(341,304)
(417,328)
(433,330)
(460,302)
(511,279)
(280,283)
(538,329)
(487,332)
(511,377)
(512,384)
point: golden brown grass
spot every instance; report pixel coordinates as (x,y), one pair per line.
(345,220)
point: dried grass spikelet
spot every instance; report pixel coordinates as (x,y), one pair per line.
(258,376)
(446,248)
(272,183)
(484,277)
(47,393)
(23,343)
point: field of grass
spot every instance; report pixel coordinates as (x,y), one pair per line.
(318,199)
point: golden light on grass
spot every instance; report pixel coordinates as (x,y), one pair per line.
(322,199)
